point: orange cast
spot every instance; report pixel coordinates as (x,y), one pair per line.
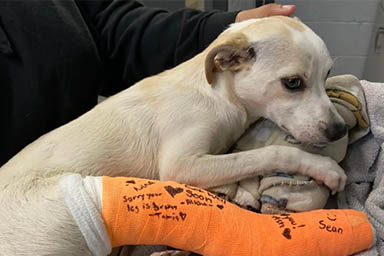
(141,211)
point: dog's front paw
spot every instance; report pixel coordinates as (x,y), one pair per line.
(246,200)
(325,171)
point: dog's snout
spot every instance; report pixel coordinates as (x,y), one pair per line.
(336,131)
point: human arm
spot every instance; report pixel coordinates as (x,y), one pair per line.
(138,41)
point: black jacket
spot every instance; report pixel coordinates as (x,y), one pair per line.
(57,56)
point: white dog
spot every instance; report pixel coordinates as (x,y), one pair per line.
(178,125)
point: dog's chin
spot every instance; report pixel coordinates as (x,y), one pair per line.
(293,140)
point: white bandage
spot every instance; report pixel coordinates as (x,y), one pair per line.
(83,198)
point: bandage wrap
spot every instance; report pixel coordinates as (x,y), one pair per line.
(83,198)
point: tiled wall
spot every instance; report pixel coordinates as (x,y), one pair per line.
(195,4)
(350,29)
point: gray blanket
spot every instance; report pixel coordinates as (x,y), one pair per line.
(364,166)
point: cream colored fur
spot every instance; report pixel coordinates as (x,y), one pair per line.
(177,126)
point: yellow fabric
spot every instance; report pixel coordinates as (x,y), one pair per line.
(352,99)
(141,211)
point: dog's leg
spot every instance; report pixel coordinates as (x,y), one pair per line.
(35,220)
(207,171)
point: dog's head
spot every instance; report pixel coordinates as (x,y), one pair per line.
(278,67)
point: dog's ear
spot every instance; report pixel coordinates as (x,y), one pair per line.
(232,55)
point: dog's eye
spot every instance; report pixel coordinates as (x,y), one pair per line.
(329,72)
(292,83)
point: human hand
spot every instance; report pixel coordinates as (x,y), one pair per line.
(266,11)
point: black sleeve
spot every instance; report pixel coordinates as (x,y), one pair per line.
(142,41)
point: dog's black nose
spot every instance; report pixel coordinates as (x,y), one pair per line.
(336,131)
